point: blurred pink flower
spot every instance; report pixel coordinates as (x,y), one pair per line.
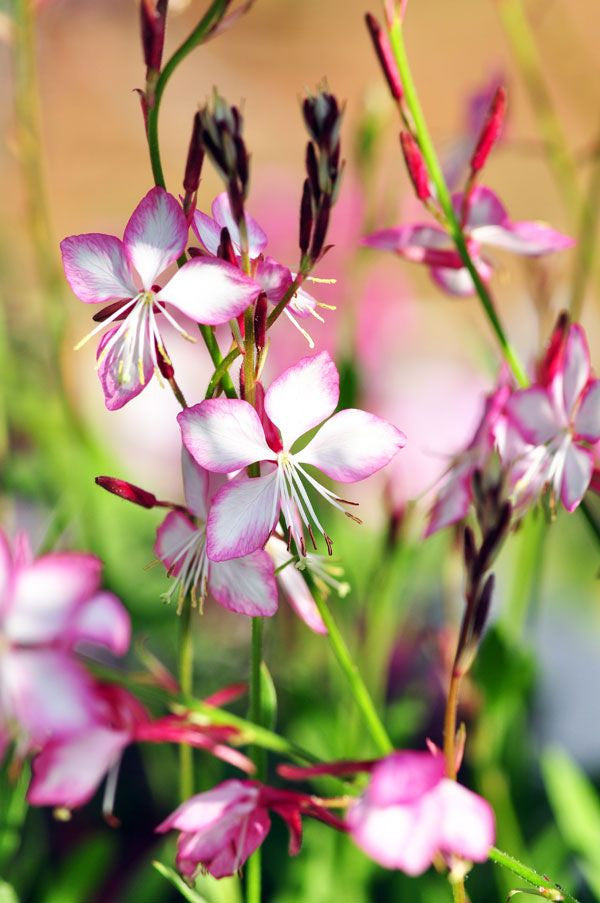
(410,813)
(221,828)
(47,607)
(486,223)
(68,770)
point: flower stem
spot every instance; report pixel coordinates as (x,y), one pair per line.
(186,672)
(443,195)
(358,689)
(254,869)
(458,891)
(586,240)
(530,875)
(450,725)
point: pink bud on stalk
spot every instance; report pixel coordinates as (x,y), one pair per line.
(193,167)
(385,56)
(153,23)
(128,491)
(491,130)
(415,166)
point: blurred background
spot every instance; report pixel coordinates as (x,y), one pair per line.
(406,352)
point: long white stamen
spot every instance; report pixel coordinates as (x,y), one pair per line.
(174,322)
(327,495)
(306,335)
(117,313)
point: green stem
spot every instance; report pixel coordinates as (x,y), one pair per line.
(521,39)
(358,689)
(586,240)
(443,196)
(530,875)
(591,520)
(211,343)
(212,16)
(186,672)
(254,869)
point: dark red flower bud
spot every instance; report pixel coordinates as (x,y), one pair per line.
(491,130)
(271,432)
(153,23)
(482,608)
(260,322)
(127,491)
(164,364)
(312,171)
(321,226)
(415,166)
(225,250)
(552,360)
(385,56)
(195,158)
(306,217)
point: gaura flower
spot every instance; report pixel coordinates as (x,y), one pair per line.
(486,223)
(225,435)
(103,269)
(273,277)
(47,608)
(221,828)
(561,418)
(68,770)
(244,585)
(410,813)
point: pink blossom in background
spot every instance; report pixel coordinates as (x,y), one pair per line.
(68,770)
(486,223)
(48,607)
(410,813)
(222,827)
(243,585)
(225,435)
(102,269)
(562,420)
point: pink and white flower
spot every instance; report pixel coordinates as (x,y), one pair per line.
(561,419)
(226,435)
(273,277)
(486,223)
(68,770)
(410,813)
(221,828)
(48,607)
(244,585)
(103,269)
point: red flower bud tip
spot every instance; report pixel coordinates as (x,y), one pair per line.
(415,165)
(195,158)
(385,56)
(260,322)
(153,17)
(127,491)
(551,363)
(491,130)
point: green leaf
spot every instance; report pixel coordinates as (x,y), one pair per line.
(575,803)
(268,698)
(177,881)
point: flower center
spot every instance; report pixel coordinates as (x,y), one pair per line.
(190,567)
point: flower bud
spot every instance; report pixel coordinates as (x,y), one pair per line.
(415,166)
(153,18)
(491,130)
(127,491)
(260,322)
(306,216)
(195,157)
(225,250)
(385,56)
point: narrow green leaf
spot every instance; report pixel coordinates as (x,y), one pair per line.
(177,881)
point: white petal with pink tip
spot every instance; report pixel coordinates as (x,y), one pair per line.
(224,434)
(155,235)
(245,585)
(303,396)
(210,291)
(587,419)
(97,268)
(531,412)
(576,475)
(241,517)
(352,445)
(576,366)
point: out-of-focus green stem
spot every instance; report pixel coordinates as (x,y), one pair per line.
(443,196)
(522,42)
(555,892)
(357,686)
(186,679)
(29,145)
(587,240)
(254,868)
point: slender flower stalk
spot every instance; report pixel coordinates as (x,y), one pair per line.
(435,171)
(186,682)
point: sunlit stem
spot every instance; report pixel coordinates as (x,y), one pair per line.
(186,679)
(443,196)
(554,891)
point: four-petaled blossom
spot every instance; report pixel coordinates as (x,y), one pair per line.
(486,222)
(244,585)
(48,607)
(561,419)
(103,269)
(273,277)
(68,770)
(221,828)
(410,813)
(225,435)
